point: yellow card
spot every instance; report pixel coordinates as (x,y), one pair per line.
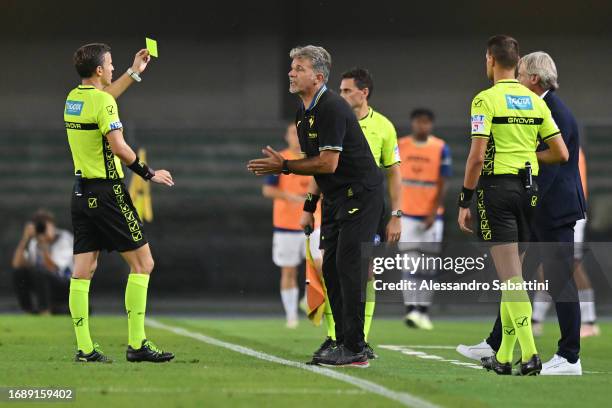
(152,46)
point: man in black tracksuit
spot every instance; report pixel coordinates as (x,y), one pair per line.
(338,155)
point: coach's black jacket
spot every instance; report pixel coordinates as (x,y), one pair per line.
(561,200)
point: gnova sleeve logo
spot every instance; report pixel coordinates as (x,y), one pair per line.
(74,107)
(519,102)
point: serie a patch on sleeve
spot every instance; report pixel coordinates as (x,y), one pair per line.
(478,123)
(116,125)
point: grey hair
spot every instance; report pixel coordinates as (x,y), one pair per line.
(318,56)
(541,64)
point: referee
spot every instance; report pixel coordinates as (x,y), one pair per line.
(507,122)
(338,155)
(103,216)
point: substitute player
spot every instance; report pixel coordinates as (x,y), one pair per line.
(425,169)
(288,243)
(103,215)
(507,120)
(356,88)
(338,155)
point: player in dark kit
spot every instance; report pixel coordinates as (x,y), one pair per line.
(339,157)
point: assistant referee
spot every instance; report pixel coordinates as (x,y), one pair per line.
(339,157)
(103,216)
(507,122)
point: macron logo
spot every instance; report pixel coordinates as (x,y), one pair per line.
(519,102)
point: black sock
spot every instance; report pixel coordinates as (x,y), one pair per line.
(422,309)
(410,308)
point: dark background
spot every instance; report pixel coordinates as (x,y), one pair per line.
(218,93)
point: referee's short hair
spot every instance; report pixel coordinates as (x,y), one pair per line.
(541,64)
(89,57)
(318,56)
(504,49)
(362,77)
(422,113)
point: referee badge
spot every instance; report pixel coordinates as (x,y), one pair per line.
(92,202)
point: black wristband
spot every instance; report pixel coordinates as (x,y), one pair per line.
(285,169)
(142,169)
(310,205)
(465,197)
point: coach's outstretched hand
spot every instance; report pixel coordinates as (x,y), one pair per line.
(163,177)
(141,59)
(465,220)
(273,164)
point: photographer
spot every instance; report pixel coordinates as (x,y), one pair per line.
(43,265)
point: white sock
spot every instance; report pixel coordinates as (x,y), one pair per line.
(290,303)
(411,297)
(587,305)
(541,304)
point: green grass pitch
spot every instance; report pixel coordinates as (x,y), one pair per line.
(38,351)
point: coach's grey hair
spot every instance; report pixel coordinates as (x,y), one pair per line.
(318,56)
(541,64)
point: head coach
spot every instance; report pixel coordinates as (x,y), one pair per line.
(338,155)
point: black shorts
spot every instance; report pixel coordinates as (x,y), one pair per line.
(505,209)
(104,217)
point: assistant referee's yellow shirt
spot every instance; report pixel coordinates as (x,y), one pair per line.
(89,115)
(382,138)
(512,119)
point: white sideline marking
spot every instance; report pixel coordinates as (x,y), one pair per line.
(433,347)
(420,354)
(401,397)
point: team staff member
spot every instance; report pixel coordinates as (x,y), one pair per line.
(425,169)
(356,88)
(507,120)
(288,243)
(103,215)
(338,155)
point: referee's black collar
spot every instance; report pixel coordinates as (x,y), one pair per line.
(86,87)
(316,98)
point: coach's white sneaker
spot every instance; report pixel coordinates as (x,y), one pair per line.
(292,324)
(560,366)
(477,351)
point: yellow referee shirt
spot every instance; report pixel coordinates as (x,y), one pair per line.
(382,138)
(89,115)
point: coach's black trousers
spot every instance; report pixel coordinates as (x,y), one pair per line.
(557,261)
(347,223)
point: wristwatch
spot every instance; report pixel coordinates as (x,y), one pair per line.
(397,213)
(134,75)
(285,169)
